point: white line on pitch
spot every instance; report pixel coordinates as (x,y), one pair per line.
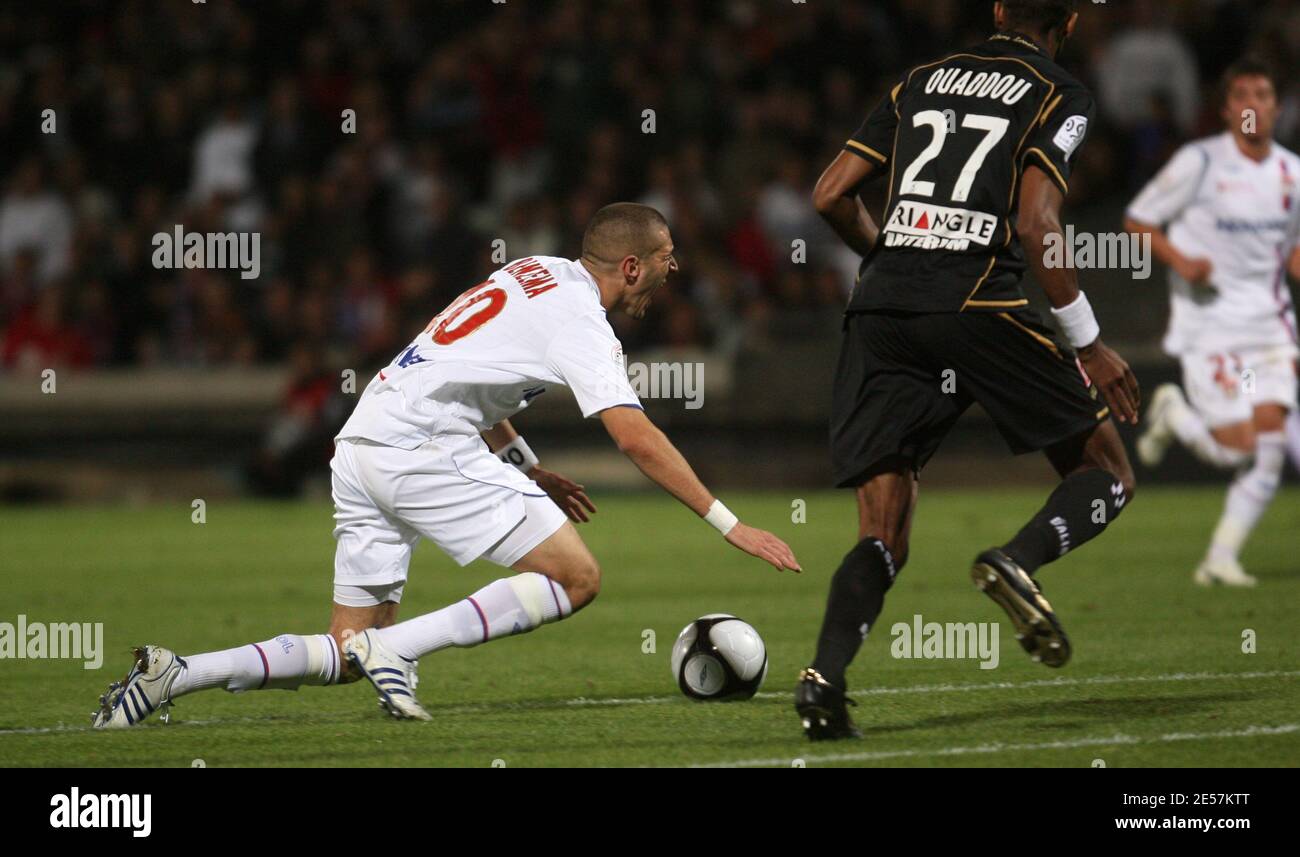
(490,707)
(990,685)
(979,749)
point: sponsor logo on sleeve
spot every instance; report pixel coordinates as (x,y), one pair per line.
(1071,134)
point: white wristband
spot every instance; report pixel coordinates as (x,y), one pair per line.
(517,453)
(1077,322)
(721,517)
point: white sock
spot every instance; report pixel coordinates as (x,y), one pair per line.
(1293,438)
(1248,498)
(1194,434)
(512,605)
(289,661)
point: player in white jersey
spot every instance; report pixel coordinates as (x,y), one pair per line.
(430,453)
(1223,215)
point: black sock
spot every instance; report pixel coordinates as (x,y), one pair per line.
(1078,510)
(857,596)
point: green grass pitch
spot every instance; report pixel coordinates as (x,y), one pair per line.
(1158,676)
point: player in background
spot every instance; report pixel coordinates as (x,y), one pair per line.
(1293,425)
(1223,215)
(977,146)
(412,463)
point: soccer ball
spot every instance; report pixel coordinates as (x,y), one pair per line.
(719,657)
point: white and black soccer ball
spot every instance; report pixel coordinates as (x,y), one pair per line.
(719,657)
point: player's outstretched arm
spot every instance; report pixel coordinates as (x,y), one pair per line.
(1040,216)
(836,200)
(656,457)
(571,497)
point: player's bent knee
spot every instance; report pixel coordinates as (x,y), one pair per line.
(566,560)
(1123,474)
(1129,481)
(582,583)
(895,548)
(1269,418)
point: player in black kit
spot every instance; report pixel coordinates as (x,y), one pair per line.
(977,146)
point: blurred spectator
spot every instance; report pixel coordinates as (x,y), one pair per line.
(35,217)
(1148,64)
(41,336)
(223,156)
(381,147)
(300,439)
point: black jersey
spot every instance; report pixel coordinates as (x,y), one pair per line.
(955,136)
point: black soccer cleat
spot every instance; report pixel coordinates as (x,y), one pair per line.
(823,708)
(1040,634)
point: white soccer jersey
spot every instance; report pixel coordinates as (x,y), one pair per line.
(535,323)
(1243,217)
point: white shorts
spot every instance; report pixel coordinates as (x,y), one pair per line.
(1225,388)
(452,491)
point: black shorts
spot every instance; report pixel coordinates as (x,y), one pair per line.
(904,379)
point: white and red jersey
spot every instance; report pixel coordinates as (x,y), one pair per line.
(1243,216)
(533,324)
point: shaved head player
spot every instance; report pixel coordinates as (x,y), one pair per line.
(429,453)
(977,147)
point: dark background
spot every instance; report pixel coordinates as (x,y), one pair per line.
(479,123)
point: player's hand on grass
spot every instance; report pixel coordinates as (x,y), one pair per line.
(765,546)
(567,494)
(1114,378)
(1196,271)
